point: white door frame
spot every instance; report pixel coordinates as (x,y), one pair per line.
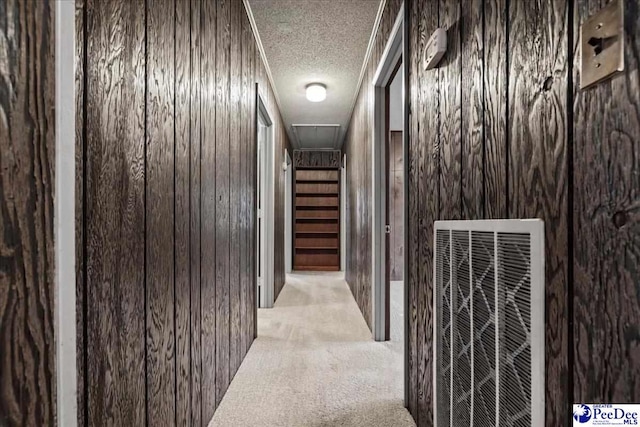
(393,52)
(64,215)
(288,217)
(266,213)
(397,47)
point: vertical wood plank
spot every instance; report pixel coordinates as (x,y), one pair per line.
(235,194)
(450,112)
(413,203)
(27,153)
(208,209)
(79,212)
(495,109)
(195,158)
(223,184)
(472,109)
(606,239)
(115,212)
(182,212)
(160,221)
(538,177)
(252,184)
(195,171)
(195,167)
(199,158)
(430,118)
(245,140)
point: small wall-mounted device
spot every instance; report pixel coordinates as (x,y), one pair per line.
(434,49)
(602,44)
(285,166)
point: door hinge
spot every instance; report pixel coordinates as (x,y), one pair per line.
(387,229)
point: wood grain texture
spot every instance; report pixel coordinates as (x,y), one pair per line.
(495,109)
(521,149)
(606,239)
(182,206)
(430,118)
(169,218)
(538,166)
(317,175)
(79,211)
(222,222)
(449,129)
(246,138)
(160,220)
(357,147)
(115,213)
(472,109)
(252,181)
(195,172)
(316,159)
(235,196)
(27,153)
(208,209)
(412,203)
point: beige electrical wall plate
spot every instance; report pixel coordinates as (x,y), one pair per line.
(602,44)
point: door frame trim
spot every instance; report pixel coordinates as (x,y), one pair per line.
(64,216)
(268,209)
(396,48)
(393,53)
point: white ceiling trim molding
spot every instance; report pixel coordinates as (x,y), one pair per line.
(256,35)
(367,55)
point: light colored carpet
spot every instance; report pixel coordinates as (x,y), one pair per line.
(314,363)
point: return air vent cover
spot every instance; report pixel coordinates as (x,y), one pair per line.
(489,323)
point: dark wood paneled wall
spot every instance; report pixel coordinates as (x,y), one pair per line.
(27,153)
(357,147)
(606,224)
(501,130)
(166,185)
(323,159)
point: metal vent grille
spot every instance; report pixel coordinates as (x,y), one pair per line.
(489,318)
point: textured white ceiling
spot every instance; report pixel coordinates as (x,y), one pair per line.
(307,41)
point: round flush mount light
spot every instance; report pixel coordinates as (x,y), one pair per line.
(316,92)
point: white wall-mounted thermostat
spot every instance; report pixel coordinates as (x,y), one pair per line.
(434,49)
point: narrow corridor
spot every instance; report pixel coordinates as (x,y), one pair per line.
(314,363)
(455,185)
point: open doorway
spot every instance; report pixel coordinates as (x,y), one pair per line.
(265,205)
(389,188)
(394,207)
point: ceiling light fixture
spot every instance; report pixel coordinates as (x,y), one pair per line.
(316,92)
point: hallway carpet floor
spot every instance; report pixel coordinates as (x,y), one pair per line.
(314,364)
